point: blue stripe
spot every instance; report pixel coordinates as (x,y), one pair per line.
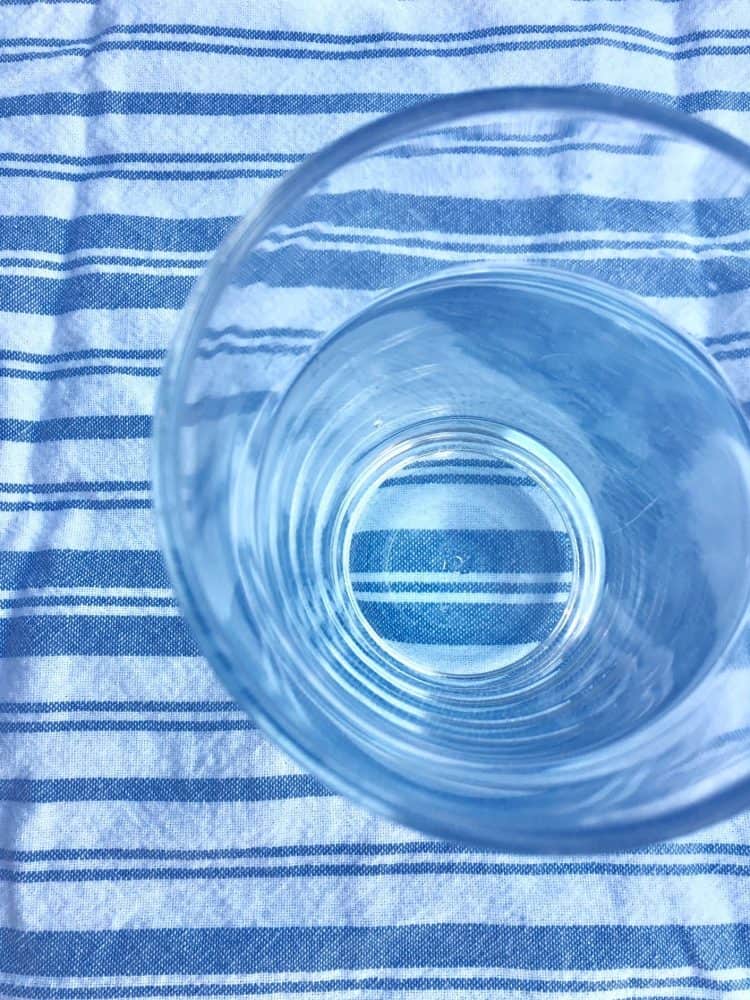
(384,986)
(119,705)
(262,789)
(129,726)
(727,338)
(96,428)
(224,950)
(439,213)
(460,588)
(96,635)
(533,216)
(115,102)
(372,270)
(88,601)
(139,175)
(82,568)
(378,869)
(394,52)
(457,478)
(54,296)
(78,486)
(151,157)
(107,230)
(112,503)
(481,551)
(96,261)
(458,624)
(363,848)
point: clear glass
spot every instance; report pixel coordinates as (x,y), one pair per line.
(452,472)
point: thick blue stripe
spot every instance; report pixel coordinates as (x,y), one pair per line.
(558,869)
(105,102)
(54,296)
(82,568)
(360,848)
(479,551)
(75,428)
(382,52)
(458,624)
(96,635)
(223,950)
(107,231)
(439,213)
(663,277)
(79,486)
(262,789)
(527,216)
(292,267)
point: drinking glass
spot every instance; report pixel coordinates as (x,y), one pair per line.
(452,472)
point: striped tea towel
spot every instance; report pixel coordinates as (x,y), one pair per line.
(152,842)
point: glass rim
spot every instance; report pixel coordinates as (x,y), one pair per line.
(248,230)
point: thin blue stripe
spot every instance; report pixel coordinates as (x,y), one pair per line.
(141,175)
(151,157)
(557,869)
(384,985)
(128,726)
(75,428)
(224,950)
(94,705)
(727,338)
(76,486)
(363,848)
(481,551)
(81,371)
(108,102)
(87,601)
(258,789)
(82,568)
(90,503)
(457,478)
(401,587)
(96,635)
(545,246)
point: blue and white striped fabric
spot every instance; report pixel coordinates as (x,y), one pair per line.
(152,842)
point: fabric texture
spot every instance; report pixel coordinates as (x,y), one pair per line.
(152,842)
